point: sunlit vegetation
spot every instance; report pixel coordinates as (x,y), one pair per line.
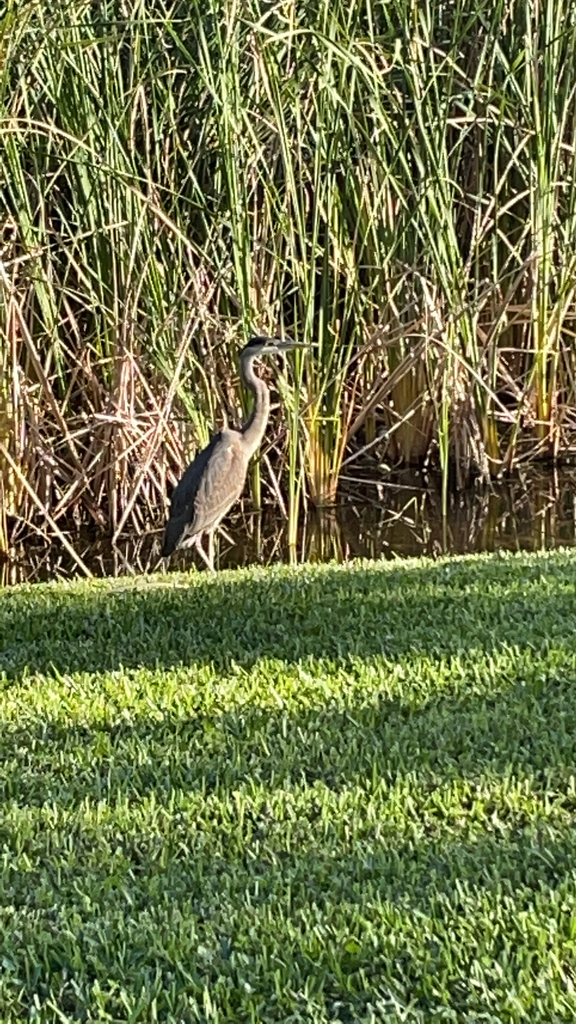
(393,182)
(316,794)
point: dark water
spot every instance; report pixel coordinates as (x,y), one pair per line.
(389,519)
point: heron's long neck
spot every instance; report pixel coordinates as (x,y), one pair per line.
(253,429)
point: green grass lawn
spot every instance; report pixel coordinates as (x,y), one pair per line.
(330,793)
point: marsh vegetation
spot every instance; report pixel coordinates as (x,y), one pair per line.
(372,519)
(392,181)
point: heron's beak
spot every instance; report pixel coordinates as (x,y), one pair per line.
(286,345)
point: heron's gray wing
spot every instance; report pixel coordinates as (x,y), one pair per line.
(184,494)
(221,483)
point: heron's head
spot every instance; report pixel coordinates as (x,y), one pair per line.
(260,345)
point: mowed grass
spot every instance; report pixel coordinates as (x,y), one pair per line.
(329,793)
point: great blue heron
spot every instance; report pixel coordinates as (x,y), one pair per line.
(216,477)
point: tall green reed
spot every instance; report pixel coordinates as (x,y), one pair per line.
(392,182)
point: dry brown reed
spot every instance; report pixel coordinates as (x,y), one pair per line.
(393,183)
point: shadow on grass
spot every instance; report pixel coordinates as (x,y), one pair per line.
(528,728)
(437,609)
(316,934)
(270,908)
(326,856)
(519,712)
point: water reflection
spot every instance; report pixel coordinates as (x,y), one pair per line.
(373,520)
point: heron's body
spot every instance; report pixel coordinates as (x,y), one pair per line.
(214,481)
(208,489)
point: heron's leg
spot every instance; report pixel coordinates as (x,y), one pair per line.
(226,535)
(211,549)
(201,552)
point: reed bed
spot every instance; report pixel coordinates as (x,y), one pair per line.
(391,182)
